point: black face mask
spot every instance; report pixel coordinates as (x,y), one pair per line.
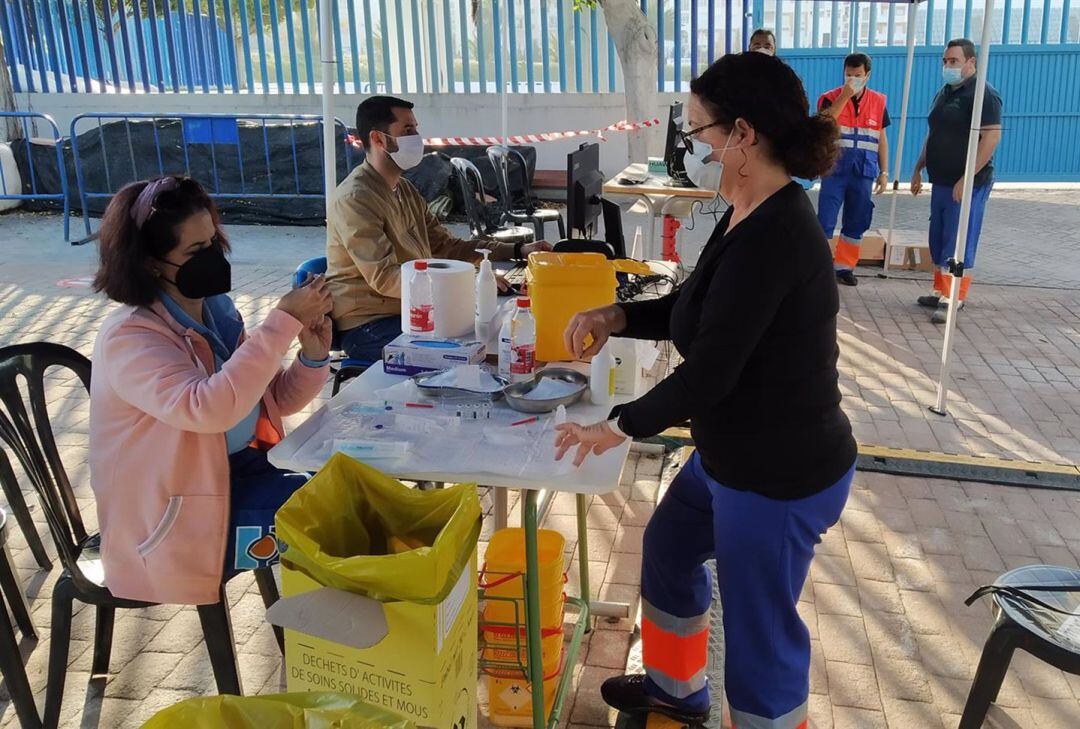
(207,273)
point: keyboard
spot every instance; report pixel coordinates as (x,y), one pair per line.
(516,275)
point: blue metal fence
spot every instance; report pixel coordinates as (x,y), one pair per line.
(32,188)
(208,147)
(455,46)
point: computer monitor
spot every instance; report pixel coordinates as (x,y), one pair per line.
(613,245)
(613,230)
(673,147)
(584,186)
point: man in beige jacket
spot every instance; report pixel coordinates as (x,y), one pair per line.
(377,222)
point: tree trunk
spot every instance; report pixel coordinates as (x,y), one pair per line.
(635,41)
(11,128)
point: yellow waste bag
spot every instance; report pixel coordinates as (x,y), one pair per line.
(338,527)
(318,710)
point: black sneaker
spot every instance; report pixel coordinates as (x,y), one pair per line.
(930,302)
(627,694)
(941,314)
(847,278)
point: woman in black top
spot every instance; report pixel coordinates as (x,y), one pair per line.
(756,326)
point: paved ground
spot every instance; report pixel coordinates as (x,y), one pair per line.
(893,644)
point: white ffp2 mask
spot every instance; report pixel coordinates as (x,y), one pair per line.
(409,152)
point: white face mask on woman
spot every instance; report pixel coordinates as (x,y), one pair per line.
(705,175)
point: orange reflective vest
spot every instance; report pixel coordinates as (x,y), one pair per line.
(860,134)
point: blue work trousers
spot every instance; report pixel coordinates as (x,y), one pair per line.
(763,548)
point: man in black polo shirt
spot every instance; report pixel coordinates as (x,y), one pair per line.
(944,156)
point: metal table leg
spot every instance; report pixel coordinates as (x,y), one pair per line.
(650,228)
(596,607)
(583,550)
(532,608)
(500,507)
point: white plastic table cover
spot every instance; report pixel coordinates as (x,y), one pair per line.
(309,446)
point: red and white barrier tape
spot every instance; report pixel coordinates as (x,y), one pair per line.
(621,126)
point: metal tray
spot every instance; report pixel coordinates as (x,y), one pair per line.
(456,392)
(514,393)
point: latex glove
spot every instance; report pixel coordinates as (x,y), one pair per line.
(597,439)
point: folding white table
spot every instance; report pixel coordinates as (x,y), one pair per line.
(302,448)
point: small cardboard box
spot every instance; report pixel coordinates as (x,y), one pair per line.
(910,258)
(871,249)
(908,251)
(410,355)
(416,660)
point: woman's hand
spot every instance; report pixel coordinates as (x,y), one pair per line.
(308,304)
(597,438)
(315,341)
(599,324)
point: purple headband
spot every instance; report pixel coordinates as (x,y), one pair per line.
(144,203)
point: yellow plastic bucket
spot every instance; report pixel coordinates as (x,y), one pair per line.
(560,286)
(501,647)
(510,699)
(504,568)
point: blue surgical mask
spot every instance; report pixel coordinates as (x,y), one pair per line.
(705,175)
(952,76)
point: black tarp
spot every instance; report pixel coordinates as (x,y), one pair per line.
(231,157)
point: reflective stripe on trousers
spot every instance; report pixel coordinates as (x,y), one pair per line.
(847,255)
(674,650)
(794,719)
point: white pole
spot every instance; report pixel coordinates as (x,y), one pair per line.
(503,102)
(853,30)
(326,48)
(912,11)
(965,205)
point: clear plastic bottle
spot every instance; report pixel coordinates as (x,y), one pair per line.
(421,308)
(505,345)
(523,342)
(602,376)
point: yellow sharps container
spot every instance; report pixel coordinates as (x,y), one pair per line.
(560,286)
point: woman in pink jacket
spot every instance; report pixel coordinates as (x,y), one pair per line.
(184,403)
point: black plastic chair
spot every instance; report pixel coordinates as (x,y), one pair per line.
(11,665)
(29,436)
(1030,613)
(503,159)
(471,184)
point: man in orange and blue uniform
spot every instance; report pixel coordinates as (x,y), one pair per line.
(861,167)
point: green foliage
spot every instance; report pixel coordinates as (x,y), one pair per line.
(580,5)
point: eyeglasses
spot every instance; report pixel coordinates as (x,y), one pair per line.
(686,136)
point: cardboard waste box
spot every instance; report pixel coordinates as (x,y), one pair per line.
(379,593)
(871,248)
(909,251)
(276,711)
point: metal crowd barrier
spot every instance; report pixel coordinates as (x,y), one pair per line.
(6,188)
(275,173)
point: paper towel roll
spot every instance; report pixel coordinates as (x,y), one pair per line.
(453,288)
